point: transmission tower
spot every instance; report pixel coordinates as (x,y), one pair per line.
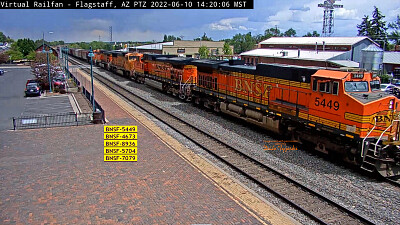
(110,30)
(327,25)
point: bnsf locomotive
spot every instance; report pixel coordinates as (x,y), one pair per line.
(335,111)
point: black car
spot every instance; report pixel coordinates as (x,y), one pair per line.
(1,71)
(32,89)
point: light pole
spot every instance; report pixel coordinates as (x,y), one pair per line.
(91,75)
(48,64)
(67,62)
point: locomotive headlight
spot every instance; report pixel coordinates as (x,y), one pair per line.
(391,104)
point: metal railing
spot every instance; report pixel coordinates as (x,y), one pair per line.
(52,120)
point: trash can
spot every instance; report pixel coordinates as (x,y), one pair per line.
(98,117)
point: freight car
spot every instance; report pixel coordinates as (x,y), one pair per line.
(337,112)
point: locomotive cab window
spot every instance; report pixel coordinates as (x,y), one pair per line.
(375,85)
(315,85)
(322,86)
(328,87)
(335,88)
(356,86)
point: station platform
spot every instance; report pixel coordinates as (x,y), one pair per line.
(58,176)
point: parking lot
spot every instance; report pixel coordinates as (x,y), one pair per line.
(14,104)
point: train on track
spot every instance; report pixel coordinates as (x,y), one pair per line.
(334,111)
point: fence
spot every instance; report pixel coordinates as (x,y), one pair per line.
(52,120)
(99,114)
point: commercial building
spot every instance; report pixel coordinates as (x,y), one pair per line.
(310,51)
(191,48)
(156,48)
(391,63)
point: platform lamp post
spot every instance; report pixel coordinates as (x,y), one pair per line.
(91,75)
(66,54)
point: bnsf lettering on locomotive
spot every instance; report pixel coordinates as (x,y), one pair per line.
(380,119)
(252,88)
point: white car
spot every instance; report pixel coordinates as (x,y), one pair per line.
(387,87)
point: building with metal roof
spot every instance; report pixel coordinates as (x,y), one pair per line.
(155,48)
(391,63)
(310,51)
(191,48)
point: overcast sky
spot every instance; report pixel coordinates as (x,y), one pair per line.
(146,25)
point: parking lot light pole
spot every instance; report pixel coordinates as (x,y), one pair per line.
(91,76)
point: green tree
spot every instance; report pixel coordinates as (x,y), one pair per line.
(3,37)
(205,38)
(374,28)
(31,55)
(4,57)
(364,29)
(170,38)
(15,55)
(378,26)
(290,33)
(204,52)
(272,32)
(395,34)
(227,49)
(25,46)
(313,34)
(242,42)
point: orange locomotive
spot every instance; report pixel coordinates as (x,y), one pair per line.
(335,111)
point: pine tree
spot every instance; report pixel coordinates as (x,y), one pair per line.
(374,28)
(364,29)
(395,34)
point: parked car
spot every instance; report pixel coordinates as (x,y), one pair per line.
(1,71)
(32,89)
(59,82)
(387,87)
(31,82)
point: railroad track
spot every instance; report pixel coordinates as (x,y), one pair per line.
(307,201)
(394,181)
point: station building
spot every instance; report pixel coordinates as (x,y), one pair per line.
(47,48)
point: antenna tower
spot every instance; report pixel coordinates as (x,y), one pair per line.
(327,26)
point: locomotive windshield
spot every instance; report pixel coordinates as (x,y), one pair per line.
(356,86)
(375,85)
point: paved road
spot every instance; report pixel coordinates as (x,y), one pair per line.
(12,100)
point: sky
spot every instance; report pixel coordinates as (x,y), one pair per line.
(147,25)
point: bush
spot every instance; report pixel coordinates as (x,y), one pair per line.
(385,78)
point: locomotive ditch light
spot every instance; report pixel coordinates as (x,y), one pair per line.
(391,104)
